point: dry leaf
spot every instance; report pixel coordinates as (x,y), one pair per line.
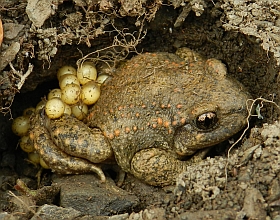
(1,32)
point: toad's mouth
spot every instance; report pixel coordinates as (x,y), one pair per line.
(211,151)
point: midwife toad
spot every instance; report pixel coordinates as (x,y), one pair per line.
(157,109)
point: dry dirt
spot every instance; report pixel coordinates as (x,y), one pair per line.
(41,35)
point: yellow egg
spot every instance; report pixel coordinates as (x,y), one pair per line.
(40,106)
(68,79)
(66,70)
(55,93)
(80,111)
(43,164)
(70,94)
(34,157)
(26,144)
(28,111)
(86,72)
(67,109)
(90,93)
(102,78)
(54,108)
(21,125)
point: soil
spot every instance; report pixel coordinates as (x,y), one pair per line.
(41,36)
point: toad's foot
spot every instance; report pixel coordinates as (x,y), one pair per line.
(156,166)
(57,160)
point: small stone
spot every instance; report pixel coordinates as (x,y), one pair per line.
(7,216)
(254,204)
(54,212)
(9,54)
(88,195)
(12,30)
(38,11)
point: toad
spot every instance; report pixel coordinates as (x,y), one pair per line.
(157,110)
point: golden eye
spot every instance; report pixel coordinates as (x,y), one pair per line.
(207,120)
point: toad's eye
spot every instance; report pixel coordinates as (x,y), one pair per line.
(207,120)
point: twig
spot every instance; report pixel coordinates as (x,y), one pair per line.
(23,203)
(1,32)
(21,76)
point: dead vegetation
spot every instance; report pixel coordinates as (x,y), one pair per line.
(123,44)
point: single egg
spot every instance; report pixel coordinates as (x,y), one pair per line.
(66,70)
(67,109)
(86,72)
(54,108)
(34,157)
(90,93)
(55,93)
(40,106)
(101,78)
(80,111)
(70,94)
(26,144)
(21,125)
(43,164)
(28,111)
(68,79)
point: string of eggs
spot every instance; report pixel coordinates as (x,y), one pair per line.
(78,89)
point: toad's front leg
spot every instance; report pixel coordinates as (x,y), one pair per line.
(157,167)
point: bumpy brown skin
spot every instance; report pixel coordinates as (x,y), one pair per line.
(159,108)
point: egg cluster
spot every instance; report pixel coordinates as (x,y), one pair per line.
(78,89)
